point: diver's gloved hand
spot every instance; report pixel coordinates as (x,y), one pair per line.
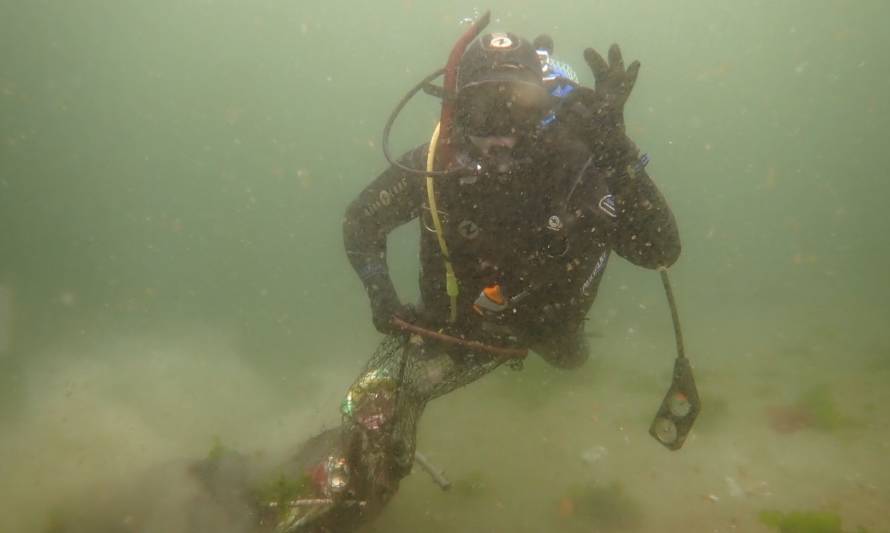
(597,115)
(614,83)
(383,309)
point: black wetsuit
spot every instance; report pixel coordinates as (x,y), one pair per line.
(543,235)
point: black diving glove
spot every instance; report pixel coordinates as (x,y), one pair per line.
(614,83)
(597,115)
(384,308)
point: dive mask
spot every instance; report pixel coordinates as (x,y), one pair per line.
(496,118)
(501,109)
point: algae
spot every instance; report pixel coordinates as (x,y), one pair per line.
(279,492)
(822,412)
(804,522)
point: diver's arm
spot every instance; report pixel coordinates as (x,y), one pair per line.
(647,233)
(391,200)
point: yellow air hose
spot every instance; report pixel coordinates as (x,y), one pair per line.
(451,287)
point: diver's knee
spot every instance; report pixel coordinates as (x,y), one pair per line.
(566,356)
(573,360)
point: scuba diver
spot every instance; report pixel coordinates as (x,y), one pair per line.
(526,189)
(551,187)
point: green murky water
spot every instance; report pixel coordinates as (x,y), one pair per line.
(172,180)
